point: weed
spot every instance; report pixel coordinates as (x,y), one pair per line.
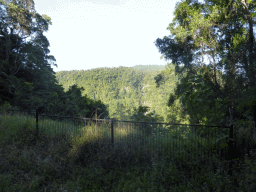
(64,157)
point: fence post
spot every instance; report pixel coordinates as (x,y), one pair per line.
(37,129)
(112,131)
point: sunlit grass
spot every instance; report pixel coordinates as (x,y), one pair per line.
(70,156)
(167,142)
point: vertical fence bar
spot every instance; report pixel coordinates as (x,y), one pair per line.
(112,131)
(150,140)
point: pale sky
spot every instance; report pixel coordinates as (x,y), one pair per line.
(88,34)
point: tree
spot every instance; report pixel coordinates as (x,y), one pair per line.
(26,74)
(221,31)
(143,113)
(27,80)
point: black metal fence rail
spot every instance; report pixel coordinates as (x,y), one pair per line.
(167,139)
(180,133)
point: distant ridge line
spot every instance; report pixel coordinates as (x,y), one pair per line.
(141,67)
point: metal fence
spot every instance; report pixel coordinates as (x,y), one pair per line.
(196,143)
(187,143)
(181,140)
(165,139)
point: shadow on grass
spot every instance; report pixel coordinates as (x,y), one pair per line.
(88,162)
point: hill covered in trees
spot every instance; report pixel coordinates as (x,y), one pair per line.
(220,89)
(124,89)
(147,68)
(27,80)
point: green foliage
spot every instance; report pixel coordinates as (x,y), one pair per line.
(224,91)
(27,80)
(89,163)
(149,68)
(142,113)
(78,105)
(25,64)
(201,97)
(115,87)
(124,89)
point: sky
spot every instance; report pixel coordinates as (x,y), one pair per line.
(87,34)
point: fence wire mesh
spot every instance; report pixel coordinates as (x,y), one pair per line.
(187,142)
(170,140)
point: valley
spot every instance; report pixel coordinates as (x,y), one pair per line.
(123,89)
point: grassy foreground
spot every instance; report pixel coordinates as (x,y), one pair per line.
(67,162)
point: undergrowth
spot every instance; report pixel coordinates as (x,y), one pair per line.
(87,161)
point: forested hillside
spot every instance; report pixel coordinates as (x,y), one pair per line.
(124,89)
(27,80)
(147,68)
(207,37)
(212,78)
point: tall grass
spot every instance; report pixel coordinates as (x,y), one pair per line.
(79,156)
(176,143)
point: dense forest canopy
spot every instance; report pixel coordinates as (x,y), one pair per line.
(125,89)
(210,78)
(207,37)
(148,68)
(27,80)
